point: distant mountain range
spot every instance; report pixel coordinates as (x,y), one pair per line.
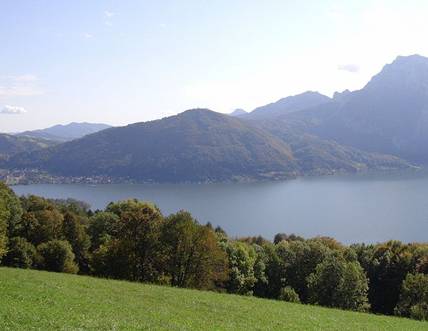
(382,126)
(62,133)
(288,105)
(389,115)
(238,112)
(198,146)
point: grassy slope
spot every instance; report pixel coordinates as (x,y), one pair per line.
(35,300)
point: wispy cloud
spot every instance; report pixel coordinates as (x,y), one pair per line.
(12,110)
(350,67)
(109,14)
(19,86)
(88,35)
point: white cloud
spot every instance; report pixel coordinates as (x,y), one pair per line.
(12,110)
(350,67)
(88,35)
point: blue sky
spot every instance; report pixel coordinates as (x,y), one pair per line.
(126,61)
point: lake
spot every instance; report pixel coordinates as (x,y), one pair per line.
(358,208)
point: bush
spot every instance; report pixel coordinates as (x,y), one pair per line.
(414,297)
(57,255)
(289,294)
(21,254)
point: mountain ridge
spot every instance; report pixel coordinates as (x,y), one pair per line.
(65,132)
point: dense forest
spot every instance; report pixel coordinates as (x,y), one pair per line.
(132,240)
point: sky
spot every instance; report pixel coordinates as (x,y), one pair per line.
(126,61)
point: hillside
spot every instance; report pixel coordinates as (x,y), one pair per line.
(389,115)
(197,145)
(51,301)
(67,132)
(10,145)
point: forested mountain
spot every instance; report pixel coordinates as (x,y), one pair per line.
(199,146)
(288,105)
(10,145)
(389,115)
(67,132)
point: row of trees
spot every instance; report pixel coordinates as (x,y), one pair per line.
(132,240)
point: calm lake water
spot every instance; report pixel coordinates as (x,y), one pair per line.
(359,208)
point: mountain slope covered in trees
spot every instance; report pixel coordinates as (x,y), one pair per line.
(11,145)
(200,146)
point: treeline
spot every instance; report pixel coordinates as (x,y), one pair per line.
(132,240)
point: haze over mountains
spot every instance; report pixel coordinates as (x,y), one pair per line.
(382,126)
(66,132)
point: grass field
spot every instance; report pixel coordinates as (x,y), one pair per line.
(37,300)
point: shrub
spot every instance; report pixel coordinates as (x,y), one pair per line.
(57,255)
(289,294)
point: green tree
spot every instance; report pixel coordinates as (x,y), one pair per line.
(74,231)
(298,259)
(101,228)
(191,254)
(57,255)
(387,268)
(21,254)
(41,221)
(414,297)
(338,283)
(10,215)
(137,236)
(242,258)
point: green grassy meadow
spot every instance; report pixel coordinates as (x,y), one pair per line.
(38,300)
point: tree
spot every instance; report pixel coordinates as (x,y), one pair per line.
(191,254)
(298,259)
(283,236)
(101,228)
(57,255)
(242,258)
(338,283)
(387,268)
(41,221)
(74,231)
(10,214)
(21,254)
(414,297)
(137,237)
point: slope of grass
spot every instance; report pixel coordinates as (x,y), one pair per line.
(36,300)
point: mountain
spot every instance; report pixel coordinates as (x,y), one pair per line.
(11,145)
(238,112)
(288,105)
(198,146)
(389,115)
(66,132)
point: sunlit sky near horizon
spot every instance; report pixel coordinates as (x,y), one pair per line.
(126,61)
